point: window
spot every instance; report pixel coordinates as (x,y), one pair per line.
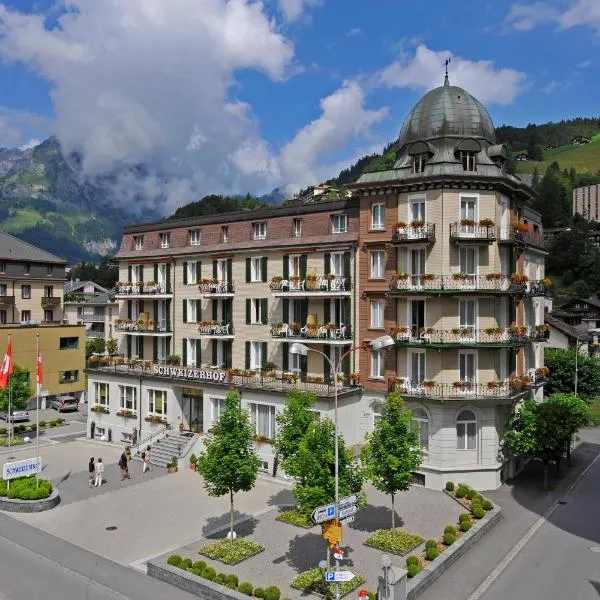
(193,348)
(127,397)
(69,343)
(466,367)
(294,363)
(48,315)
(295,265)
(469,160)
(421,424)
(27,268)
(378,216)
(339,223)
(3,317)
(101,393)
(262,418)
(68,376)
(256,316)
(377,307)
(224,233)
(377,360)
(48,291)
(467,311)
(217,406)
(3,289)
(378,264)
(194,237)
(417,210)
(467,260)
(192,274)
(466,431)
(192,313)
(416,364)
(165,240)
(259,231)
(256,269)
(25,316)
(26,292)
(138,242)
(417,265)
(157,402)
(2,266)
(336,264)
(297,227)
(49,269)
(419,162)
(255,355)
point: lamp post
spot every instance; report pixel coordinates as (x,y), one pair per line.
(577,346)
(385,341)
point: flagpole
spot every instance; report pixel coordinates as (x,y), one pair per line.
(37,405)
(10,419)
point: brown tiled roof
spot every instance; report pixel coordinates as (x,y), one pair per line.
(574,331)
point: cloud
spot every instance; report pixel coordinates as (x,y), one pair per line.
(17,126)
(424,70)
(550,87)
(524,17)
(292,10)
(584,64)
(354,31)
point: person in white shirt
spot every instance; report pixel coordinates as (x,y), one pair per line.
(99,473)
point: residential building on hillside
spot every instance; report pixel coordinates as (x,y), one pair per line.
(452,266)
(89,304)
(586,201)
(564,335)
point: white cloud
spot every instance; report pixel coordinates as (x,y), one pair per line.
(550,87)
(292,9)
(524,17)
(584,64)
(354,31)
(424,70)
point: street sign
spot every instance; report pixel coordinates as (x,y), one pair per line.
(348,511)
(352,499)
(323,513)
(338,554)
(337,576)
(347,520)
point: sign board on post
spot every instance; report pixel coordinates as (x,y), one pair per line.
(323,513)
(337,576)
(22,468)
(347,500)
(348,511)
(346,520)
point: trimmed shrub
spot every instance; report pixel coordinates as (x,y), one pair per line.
(186,562)
(272,593)
(480,498)
(259,592)
(412,560)
(449,538)
(464,517)
(210,573)
(2,430)
(487,505)
(42,423)
(430,544)
(232,579)
(220,578)
(449,486)
(195,571)
(478,512)
(450,529)
(231,585)
(199,564)
(465,525)
(431,553)
(461,492)
(245,588)
(464,485)
(413,570)
(471,494)
(174,560)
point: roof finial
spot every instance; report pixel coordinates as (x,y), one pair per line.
(446,82)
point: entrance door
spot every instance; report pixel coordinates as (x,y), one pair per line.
(194,400)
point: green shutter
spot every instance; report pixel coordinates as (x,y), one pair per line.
(248,272)
(214,310)
(185,311)
(326,365)
(185,273)
(286,266)
(141,346)
(168,277)
(286,310)
(129,309)
(263,353)
(264,309)
(285,356)
(141,272)
(198,270)
(327,266)
(263,269)
(198,353)
(229,311)
(347,264)
(214,269)
(154,349)
(198,310)
(304,311)
(229,270)
(247,355)
(155,273)
(214,352)
(184,351)
(326,311)
(248,310)
(346,362)
(227,347)
(128,346)
(129,273)
(303,266)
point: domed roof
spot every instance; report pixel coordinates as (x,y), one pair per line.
(447,111)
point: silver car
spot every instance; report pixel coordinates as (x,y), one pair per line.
(15,416)
(64,403)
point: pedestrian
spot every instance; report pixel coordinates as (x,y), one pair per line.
(99,472)
(92,471)
(146,458)
(123,466)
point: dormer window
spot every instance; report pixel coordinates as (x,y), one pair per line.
(165,240)
(419,162)
(469,160)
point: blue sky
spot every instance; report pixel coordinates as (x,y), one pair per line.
(219,96)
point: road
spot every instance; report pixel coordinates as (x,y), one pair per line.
(38,566)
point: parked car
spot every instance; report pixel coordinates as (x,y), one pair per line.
(64,403)
(16,415)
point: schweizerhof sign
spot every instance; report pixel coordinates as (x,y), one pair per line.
(186,373)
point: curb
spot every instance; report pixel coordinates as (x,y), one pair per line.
(30,506)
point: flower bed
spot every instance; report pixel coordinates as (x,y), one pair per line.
(295,517)
(13,442)
(395,541)
(313,581)
(231,552)
(24,488)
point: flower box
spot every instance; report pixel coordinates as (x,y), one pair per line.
(486,223)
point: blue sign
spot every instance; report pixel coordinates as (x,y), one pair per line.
(331,510)
(21,468)
(330,576)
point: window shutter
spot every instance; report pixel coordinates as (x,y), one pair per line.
(286,311)
(285,356)
(286,266)
(304,311)
(142,273)
(248,310)
(346,364)
(141,347)
(154,310)
(303,266)
(154,349)
(247,270)
(214,310)
(168,277)
(229,310)
(229,269)
(263,353)
(227,347)
(326,365)
(156,273)
(185,273)
(264,309)
(168,349)
(263,268)
(247,355)
(185,311)
(198,353)
(198,310)
(128,346)
(141,306)
(129,273)
(303,366)
(214,357)
(214,269)
(347,264)
(327,313)
(184,344)
(168,314)
(327,266)
(198,270)
(129,310)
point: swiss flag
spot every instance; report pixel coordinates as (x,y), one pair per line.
(38,377)
(7,366)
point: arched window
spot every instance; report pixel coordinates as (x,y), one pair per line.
(466,431)
(421,422)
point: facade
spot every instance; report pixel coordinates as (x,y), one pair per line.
(452,266)
(567,336)
(89,304)
(586,202)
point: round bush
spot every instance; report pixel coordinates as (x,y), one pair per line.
(450,529)
(2,430)
(461,492)
(209,573)
(487,505)
(464,517)
(413,560)
(231,585)
(187,562)
(195,571)
(431,553)
(245,588)
(259,592)
(480,498)
(220,578)
(232,579)
(449,486)
(174,560)
(449,538)
(471,494)
(465,525)
(272,593)
(413,570)
(478,512)
(52,423)
(464,485)
(42,423)
(475,504)
(430,544)
(199,564)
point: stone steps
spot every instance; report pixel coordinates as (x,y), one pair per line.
(162,451)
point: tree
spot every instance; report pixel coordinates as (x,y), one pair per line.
(20,390)
(575,414)
(393,451)
(561,379)
(230,464)
(94,346)
(112,346)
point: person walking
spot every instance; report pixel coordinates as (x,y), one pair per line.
(146,458)
(91,471)
(99,473)
(123,466)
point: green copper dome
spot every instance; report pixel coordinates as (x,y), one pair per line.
(447,111)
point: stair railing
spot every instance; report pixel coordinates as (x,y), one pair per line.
(149,438)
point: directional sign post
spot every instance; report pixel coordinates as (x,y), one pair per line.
(347,520)
(323,513)
(348,511)
(338,576)
(346,501)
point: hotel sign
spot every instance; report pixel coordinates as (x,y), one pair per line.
(187,373)
(22,468)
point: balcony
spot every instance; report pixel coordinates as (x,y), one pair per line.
(219,330)
(459,390)
(540,333)
(461,337)
(7,301)
(471,232)
(143,327)
(215,288)
(521,235)
(415,233)
(458,283)
(539,287)
(321,286)
(142,289)
(91,318)
(50,302)
(331,334)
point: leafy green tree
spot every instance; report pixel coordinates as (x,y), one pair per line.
(230,464)
(561,379)
(576,413)
(94,346)
(20,390)
(112,346)
(393,451)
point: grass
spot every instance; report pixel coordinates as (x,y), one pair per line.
(231,552)
(595,408)
(295,517)
(314,581)
(395,541)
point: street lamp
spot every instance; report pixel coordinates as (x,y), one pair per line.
(384,341)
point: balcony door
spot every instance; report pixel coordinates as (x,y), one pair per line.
(162,316)
(416,367)
(221,270)
(417,265)
(468,264)
(467,368)
(338,311)
(416,316)
(468,211)
(467,311)
(417,210)
(162,276)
